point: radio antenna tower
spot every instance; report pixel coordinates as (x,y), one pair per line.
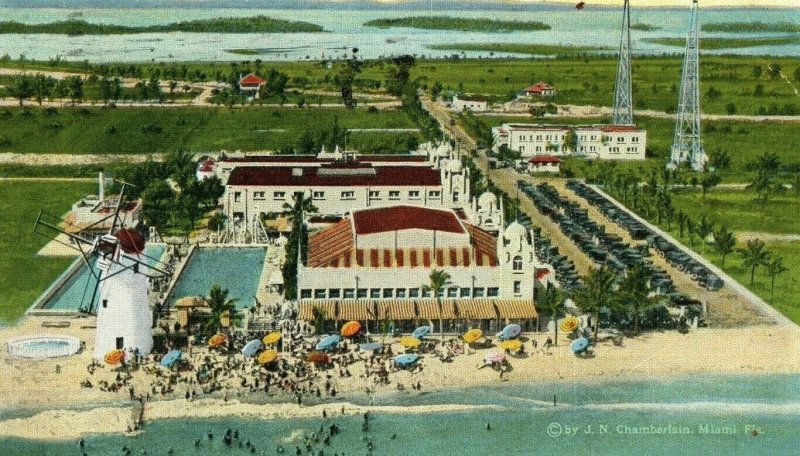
(687,147)
(623,101)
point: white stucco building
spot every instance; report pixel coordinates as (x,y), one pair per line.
(470,103)
(607,142)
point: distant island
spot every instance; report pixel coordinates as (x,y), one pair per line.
(645,27)
(254,24)
(751,27)
(727,43)
(519,48)
(458,23)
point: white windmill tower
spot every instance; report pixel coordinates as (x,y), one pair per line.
(124,318)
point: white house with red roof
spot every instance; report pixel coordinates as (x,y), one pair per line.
(250,83)
(470,103)
(540,89)
(544,164)
(377,261)
(607,142)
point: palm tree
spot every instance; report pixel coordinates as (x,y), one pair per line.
(302,205)
(681,218)
(754,256)
(318,314)
(221,307)
(724,242)
(550,300)
(704,228)
(691,230)
(775,268)
(633,291)
(596,293)
(439,279)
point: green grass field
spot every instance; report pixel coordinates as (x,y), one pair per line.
(160,130)
(727,43)
(23,275)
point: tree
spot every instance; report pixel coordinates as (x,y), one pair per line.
(154,88)
(221,307)
(681,218)
(398,76)
(438,280)
(724,242)
(346,78)
(550,301)
(704,228)
(596,293)
(302,205)
(75,88)
(570,143)
(633,291)
(42,87)
(764,182)
(709,181)
(775,267)
(106,90)
(158,204)
(318,314)
(757,71)
(774,70)
(691,228)
(21,88)
(275,85)
(754,256)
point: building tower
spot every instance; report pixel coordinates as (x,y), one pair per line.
(623,99)
(687,145)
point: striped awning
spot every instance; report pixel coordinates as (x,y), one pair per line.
(515,308)
(356,309)
(429,309)
(477,309)
(305,309)
(396,309)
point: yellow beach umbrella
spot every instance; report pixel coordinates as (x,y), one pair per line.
(272,338)
(267,356)
(114,357)
(410,342)
(472,335)
(513,344)
(569,324)
(217,340)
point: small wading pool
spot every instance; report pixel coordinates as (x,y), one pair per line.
(43,346)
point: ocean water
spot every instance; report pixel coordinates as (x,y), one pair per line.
(595,27)
(685,415)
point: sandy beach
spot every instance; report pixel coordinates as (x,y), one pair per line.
(66,410)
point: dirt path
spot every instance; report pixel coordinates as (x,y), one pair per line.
(744,236)
(74,159)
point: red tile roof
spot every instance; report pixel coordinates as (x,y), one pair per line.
(251,80)
(314,159)
(619,128)
(539,87)
(544,159)
(396,218)
(335,176)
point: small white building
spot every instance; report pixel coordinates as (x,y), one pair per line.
(470,103)
(607,142)
(544,164)
(251,83)
(206,169)
(540,89)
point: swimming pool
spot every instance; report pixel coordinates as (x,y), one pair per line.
(43,346)
(76,285)
(236,268)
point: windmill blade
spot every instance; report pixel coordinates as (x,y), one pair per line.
(46,227)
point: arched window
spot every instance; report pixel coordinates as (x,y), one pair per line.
(517,264)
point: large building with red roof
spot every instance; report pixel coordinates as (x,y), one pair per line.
(382,258)
(607,142)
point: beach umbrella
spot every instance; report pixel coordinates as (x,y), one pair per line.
(495,357)
(217,340)
(410,342)
(421,332)
(171,358)
(251,348)
(267,356)
(513,344)
(569,324)
(329,342)
(114,357)
(371,346)
(409,359)
(510,331)
(272,338)
(579,345)
(351,328)
(472,335)
(318,357)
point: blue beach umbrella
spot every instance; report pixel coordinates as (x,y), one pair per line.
(579,345)
(510,331)
(409,359)
(171,358)
(251,348)
(329,342)
(421,332)
(370,346)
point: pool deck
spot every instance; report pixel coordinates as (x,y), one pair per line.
(273,261)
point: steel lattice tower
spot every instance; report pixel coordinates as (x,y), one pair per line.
(687,145)
(623,100)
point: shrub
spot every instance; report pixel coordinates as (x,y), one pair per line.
(50,111)
(111,130)
(151,128)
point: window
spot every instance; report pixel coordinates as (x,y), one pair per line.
(394,194)
(349,293)
(452,292)
(278,195)
(361,293)
(492,292)
(426,293)
(305,294)
(400,293)
(620,139)
(517,287)
(237,196)
(456,197)
(635,139)
(477,292)
(413,194)
(259,195)
(517,263)
(465,292)
(388,292)
(318,194)
(105,303)
(413,292)
(348,195)
(375,293)
(334,293)
(374,194)
(434,194)
(319,293)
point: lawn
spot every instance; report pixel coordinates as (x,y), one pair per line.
(23,275)
(160,130)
